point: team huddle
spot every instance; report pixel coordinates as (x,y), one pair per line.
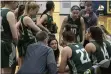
(86,46)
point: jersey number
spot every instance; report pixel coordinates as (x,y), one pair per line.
(83,55)
(73,30)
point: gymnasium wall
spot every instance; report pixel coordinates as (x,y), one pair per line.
(96,5)
(65,5)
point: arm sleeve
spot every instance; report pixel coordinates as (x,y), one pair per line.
(51,63)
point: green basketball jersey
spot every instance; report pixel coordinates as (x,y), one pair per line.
(101,52)
(48,23)
(6,33)
(79,60)
(76,27)
(108,43)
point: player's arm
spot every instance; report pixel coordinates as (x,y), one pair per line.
(12,21)
(17,26)
(62,28)
(83,29)
(90,48)
(40,21)
(29,22)
(64,57)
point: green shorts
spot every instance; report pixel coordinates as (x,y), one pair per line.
(8,54)
(22,46)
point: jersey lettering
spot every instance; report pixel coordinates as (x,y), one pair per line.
(83,55)
(73,30)
(104,51)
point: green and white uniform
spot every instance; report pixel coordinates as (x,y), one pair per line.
(102,52)
(80,61)
(26,39)
(76,27)
(49,24)
(8,51)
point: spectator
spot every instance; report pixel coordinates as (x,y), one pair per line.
(90,17)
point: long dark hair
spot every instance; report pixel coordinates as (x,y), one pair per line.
(104,30)
(20,11)
(68,35)
(96,34)
(49,6)
(56,52)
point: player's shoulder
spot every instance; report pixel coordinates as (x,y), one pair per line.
(90,47)
(10,13)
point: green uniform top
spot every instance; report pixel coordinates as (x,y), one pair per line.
(26,39)
(76,28)
(102,52)
(80,60)
(5,27)
(26,31)
(49,23)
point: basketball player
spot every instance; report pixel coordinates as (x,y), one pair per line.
(98,48)
(46,22)
(74,55)
(77,24)
(9,37)
(26,27)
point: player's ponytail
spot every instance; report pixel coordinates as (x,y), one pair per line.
(49,6)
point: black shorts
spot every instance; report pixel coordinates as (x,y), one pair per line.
(8,54)
(22,46)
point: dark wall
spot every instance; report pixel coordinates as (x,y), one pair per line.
(96,5)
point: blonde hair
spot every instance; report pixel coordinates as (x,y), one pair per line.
(31,5)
